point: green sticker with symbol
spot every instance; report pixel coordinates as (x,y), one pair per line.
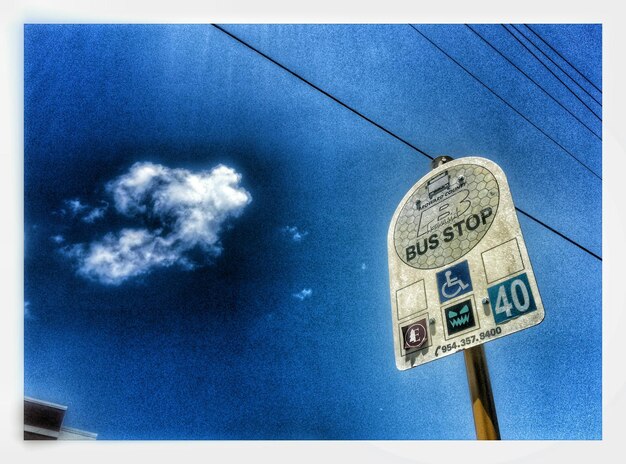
(511,298)
(459,317)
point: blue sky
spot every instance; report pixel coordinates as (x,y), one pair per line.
(205,232)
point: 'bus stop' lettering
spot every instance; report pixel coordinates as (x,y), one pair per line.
(470,223)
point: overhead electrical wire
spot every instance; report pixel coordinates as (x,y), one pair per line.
(332,97)
(505,102)
(533,81)
(598,257)
(387,131)
(558,66)
(549,70)
(564,59)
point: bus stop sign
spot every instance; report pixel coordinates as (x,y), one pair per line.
(459,270)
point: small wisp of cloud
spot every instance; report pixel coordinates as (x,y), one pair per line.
(58,239)
(96,213)
(294,233)
(303,294)
(79,210)
(28,313)
(363,266)
(75,206)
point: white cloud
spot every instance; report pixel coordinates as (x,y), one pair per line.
(57,238)
(188,210)
(28,313)
(75,206)
(86,213)
(130,253)
(363,266)
(303,294)
(293,233)
(95,214)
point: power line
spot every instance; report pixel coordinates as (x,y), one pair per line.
(559,67)
(564,59)
(559,234)
(533,81)
(335,99)
(387,131)
(505,102)
(549,70)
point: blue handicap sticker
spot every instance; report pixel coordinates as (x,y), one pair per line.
(454,281)
(511,298)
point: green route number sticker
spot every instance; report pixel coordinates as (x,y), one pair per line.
(511,298)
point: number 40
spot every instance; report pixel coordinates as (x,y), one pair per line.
(513,298)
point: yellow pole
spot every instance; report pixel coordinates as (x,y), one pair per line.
(483,406)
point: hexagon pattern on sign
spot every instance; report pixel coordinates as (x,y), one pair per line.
(447,216)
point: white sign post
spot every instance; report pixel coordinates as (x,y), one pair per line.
(459,270)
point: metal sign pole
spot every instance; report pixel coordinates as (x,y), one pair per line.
(483,405)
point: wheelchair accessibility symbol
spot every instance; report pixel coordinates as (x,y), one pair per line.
(454,281)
